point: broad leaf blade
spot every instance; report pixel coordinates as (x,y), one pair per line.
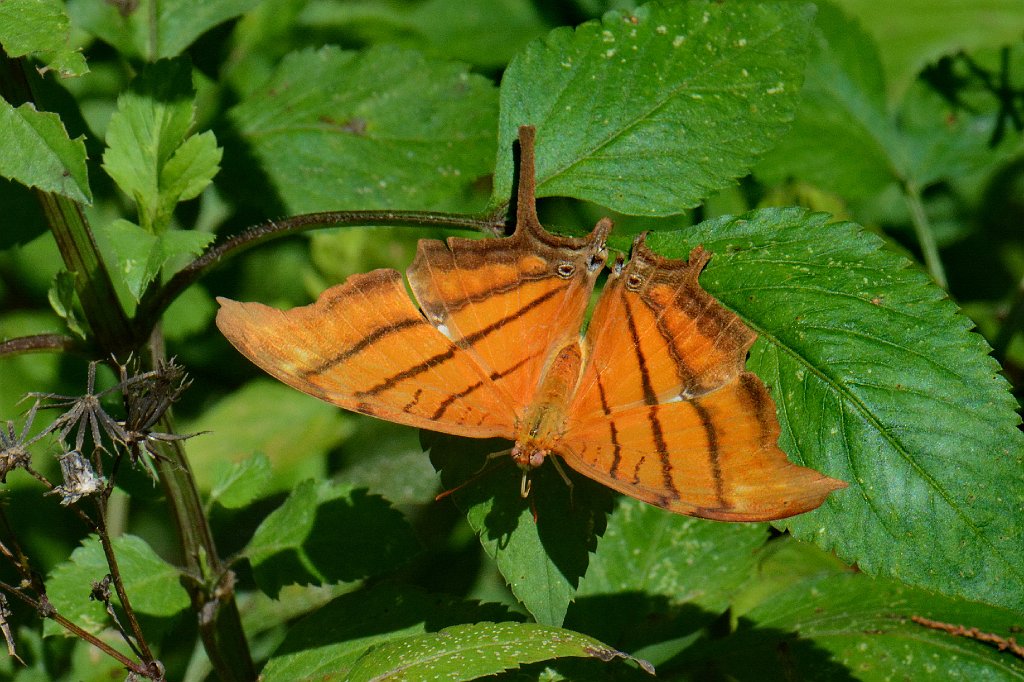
(325,645)
(540,545)
(177,23)
(36,151)
(244,482)
(468,652)
(151,583)
(915,33)
(40,28)
(828,616)
(649,112)
(661,574)
(386,128)
(325,533)
(879,382)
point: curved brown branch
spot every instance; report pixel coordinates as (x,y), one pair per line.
(152,306)
(39,343)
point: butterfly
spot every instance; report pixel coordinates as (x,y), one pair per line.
(654,401)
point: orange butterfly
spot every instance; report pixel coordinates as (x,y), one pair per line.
(654,402)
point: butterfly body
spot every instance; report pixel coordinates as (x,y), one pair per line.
(654,401)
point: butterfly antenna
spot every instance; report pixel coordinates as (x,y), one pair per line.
(477,475)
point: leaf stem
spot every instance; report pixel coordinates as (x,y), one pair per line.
(152,306)
(38,343)
(924,233)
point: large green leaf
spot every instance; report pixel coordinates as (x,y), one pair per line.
(878,382)
(386,128)
(327,533)
(541,545)
(36,151)
(468,652)
(293,430)
(647,112)
(662,574)
(834,624)
(846,140)
(40,28)
(453,29)
(154,29)
(914,33)
(151,583)
(325,645)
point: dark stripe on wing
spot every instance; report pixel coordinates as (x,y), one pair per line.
(645,375)
(713,454)
(447,355)
(447,402)
(377,335)
(617,449)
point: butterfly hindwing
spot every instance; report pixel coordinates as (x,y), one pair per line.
(665,410)
(364,346)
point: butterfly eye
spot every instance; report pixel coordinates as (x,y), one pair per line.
(634,282)
(566,270)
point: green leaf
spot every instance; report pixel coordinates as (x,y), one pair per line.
(845,139)
(243,483)
(177,23)
(325,533)
(36,151)
(452,29)
(40,28)
(151,583)
(654,570)
(294,430)
(325,645)
(648,112)
(878,382)
(541,545)
(64,301)
(826,617)
(149,152)
(915,33)
(140,255)
(387,128)
(468,652)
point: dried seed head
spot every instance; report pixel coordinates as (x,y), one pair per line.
(79,478)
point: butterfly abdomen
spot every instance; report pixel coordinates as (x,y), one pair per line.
(544,422)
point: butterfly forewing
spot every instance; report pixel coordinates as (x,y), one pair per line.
(364,346)
(510,303)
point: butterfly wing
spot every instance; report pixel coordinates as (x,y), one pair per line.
(364,346)
(510,303)
(665,411)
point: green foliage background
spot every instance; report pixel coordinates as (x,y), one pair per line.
(856,168)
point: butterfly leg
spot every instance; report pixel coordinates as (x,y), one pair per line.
(565,477)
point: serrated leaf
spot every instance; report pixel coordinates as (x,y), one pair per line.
(845,139)
(177,23)
(878,382)
(40,28)
(36,151)
(386,128)
(294,430)
(151,583)
(140,255)
(244,482)
(647,112)
(837,624)
(468,652)
(149,152)
(542,545)
(324,645)
(655,570)
(326,533)
(452,29)
(918,32)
